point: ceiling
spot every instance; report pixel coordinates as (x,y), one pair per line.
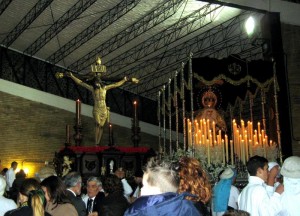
(137,38)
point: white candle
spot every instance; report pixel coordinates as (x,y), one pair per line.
(231,152)
(223,150)
(78,111)
(226,147)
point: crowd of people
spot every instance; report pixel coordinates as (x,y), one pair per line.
(164,188)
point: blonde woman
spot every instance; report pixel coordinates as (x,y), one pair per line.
(31,200)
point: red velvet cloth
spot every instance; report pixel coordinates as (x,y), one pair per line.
(82,149)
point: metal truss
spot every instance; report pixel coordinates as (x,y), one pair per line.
(26,21)
(155,17)
(59,25)
(200,18)
(223,37)
(3,5)
(99,25)
(37,74)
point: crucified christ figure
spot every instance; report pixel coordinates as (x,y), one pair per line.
(98,89)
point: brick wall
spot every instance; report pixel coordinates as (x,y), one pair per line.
(31,132)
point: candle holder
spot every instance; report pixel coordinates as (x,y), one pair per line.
(78,135)
(68,141)
(135,137)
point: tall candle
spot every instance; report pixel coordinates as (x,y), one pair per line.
(231,152)
(135,112)
(246,148)
(208,151)
(214,131)
(243,151)
(258,128)
(205,129)
(189,132)
(78,111)
(201,125)
(250,148)
(265,148)
(243,128)
(223,151)
(226,148)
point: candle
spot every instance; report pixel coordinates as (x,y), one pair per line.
(189,132)
(243,128)
(204,127)
(260,140)
(231,152)
(210,139)
(223,151)
(201,125)
(250,148)
(208,151)
(78,111)
(226,148)
(265,150)
(243,151)
(258,127)
(214,131)
(135,113)
(110,134)
(246,148)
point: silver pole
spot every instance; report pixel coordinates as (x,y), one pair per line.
(176,111)
(277,113)
(182,95)
(164,117)
(159,124)
(170,116)
(192,103)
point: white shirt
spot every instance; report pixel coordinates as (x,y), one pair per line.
(290,198)
(254,199)
(10,177)
(233,197)
(137,192)
(6,205)
(127,188)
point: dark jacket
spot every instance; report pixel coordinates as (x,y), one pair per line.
(114,204)
(77,202)
(22,211)
(163,204)
(98,202)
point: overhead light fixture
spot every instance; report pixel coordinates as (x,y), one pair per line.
(250,25)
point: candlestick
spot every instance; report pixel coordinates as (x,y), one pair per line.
(68,134)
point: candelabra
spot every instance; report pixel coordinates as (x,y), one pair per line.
(78,135)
